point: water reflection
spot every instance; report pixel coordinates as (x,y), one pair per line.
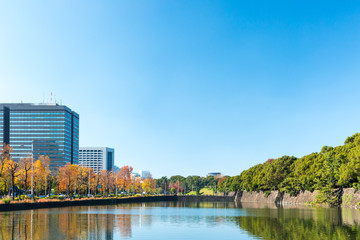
(164,220)
(299,222)
(94,222)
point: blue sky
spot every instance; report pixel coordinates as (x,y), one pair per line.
(190,87)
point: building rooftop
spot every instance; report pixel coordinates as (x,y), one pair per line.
(36,107)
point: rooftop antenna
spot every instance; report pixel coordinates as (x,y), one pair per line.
(43,97)
(51,97)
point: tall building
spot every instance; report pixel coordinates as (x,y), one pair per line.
(145,174)
(134,175)
(116,169)
(41,129)
(215,174)
(98,158)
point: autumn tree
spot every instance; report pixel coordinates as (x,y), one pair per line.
(124,178)
(105,181)
(4,158)
(66,178)
(45,161)
(24,173)
(11,169)
(149,185)
(137,185)
(81,179)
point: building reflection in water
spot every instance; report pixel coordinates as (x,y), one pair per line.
(97,222)
(64,223)
(124,221)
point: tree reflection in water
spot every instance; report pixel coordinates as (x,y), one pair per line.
(291,222)
(93,222)
(119,221)
(64,223)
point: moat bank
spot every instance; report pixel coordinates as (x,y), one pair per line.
(92,202)
(347,197)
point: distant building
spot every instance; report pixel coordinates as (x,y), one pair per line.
(215,174)
(98,158)
(134,175)
(41,129)
(145,174)
(116,169)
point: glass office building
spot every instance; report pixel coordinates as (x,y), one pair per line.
(41,129)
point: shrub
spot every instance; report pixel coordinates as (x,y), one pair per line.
(325,196)
(57,197)
(6,200)
(356,186)
(23,197)
(267,193)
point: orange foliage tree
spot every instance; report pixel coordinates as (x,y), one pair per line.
(66,178)
(4,158)
(124,178)
(11,171)
(24,173)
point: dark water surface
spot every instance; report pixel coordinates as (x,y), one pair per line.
(179,220)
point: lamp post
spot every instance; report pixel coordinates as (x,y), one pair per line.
(116,185)
(89,183)
(32,169)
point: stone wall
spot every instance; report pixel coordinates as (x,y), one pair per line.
(273,197)
(303,198)
(347,197)
(84,202)
(350,198)
(92,202)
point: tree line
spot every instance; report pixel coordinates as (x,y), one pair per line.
(192,184)
(332,167)
(70,180)
(16,178)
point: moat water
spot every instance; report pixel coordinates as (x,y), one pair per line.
(181,220)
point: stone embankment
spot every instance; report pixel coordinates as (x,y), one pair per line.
(92,202)
(87,202)
(347,197)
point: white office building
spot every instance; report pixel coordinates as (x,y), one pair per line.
(145,174)
(98,158)
(134,175)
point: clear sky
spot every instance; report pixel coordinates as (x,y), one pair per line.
(190,87)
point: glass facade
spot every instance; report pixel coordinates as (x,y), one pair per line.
(109,161)
(50,130)
(1,125)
